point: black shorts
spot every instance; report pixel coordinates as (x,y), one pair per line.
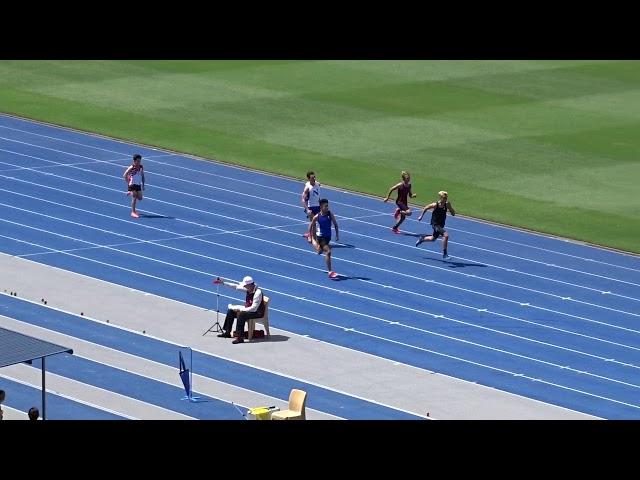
(135,188)
(322,241)
(402,206)
(437,231)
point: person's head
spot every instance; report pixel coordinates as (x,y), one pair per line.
(2,395)
(443,196)
(311,176)
(324,205)
(247,284)
(406,177)
(137,158)
(34,413)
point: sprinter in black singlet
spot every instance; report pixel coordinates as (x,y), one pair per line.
(438,219)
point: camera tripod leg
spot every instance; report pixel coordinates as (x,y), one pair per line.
(216,327)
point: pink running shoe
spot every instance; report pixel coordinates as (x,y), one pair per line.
(333,275)
(396,214)
(305,234)
(395,230)
(135,215)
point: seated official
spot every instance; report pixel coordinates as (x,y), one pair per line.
(253,308)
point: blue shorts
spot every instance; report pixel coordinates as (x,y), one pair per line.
(314,211)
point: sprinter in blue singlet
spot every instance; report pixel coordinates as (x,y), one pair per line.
(320,233)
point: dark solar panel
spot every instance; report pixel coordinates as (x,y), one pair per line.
(17,348)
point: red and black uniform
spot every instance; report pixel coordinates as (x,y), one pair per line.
(403,196)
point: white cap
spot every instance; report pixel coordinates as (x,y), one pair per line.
(245,281)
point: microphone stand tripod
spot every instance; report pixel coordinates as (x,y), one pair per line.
(216,327)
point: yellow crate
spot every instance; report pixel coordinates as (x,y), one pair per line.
(262,413)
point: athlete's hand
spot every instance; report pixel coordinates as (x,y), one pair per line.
(420,218)
(386,200)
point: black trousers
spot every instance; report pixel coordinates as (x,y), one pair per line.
(242,318)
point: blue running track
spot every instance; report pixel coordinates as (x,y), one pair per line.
(541,317)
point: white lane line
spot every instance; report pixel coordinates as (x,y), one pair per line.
(375,252)
(373,283)
(287,204)
(281,177)
(68,397)
(315,302)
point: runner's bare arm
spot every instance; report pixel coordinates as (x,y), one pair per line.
(424,210)
(335,226)
(312,227)
(126,174)
(395,187)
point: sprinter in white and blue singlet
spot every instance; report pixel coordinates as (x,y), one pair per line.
(438,219)
(402,202)
(311,198)
(320,233)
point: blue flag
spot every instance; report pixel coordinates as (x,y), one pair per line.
(184,375)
